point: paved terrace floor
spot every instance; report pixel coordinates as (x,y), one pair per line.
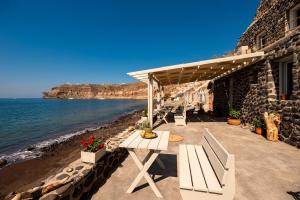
(264,170)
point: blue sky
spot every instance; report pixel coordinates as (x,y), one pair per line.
(50,42)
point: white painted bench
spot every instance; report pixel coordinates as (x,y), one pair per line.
(206,171)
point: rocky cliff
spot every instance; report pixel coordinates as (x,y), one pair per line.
(108,91)
(98,91)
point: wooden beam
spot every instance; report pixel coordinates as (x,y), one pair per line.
(150,100)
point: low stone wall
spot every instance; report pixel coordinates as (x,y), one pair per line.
(85,178)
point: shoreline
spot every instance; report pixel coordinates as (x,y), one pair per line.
(42,147)
(30,173)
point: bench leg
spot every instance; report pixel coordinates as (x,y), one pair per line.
(143,173)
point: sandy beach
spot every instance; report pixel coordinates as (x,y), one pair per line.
(30,173)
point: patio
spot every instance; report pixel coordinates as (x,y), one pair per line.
(264,170)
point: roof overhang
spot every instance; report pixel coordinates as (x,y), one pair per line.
(197,71)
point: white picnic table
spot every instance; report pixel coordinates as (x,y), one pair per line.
(154,146)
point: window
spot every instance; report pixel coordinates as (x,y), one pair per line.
(261,40)
(285,79)
(294,17)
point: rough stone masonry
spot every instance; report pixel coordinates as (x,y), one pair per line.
(256,87)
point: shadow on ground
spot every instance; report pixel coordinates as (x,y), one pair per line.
(191,117)
(295,195)
(158,174)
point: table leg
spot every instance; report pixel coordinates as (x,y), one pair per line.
(143,173)
(160,163)
(164,118)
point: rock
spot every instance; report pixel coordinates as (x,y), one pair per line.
(64,189)
(79,167)
(69,169)
(49,196)
(62,176)
(30,148)
(3,162)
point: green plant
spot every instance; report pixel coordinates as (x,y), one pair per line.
(145,112)
(234,114)
(256,122)
(145,124)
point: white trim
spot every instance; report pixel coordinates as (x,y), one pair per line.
(205,65)
(199,63)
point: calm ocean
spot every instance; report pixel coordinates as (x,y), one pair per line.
(40,122)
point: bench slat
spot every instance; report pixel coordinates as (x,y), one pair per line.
(219,150)
(185,181)
(214,161)
(196,172)
(208,172)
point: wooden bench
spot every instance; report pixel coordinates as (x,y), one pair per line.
(206,171)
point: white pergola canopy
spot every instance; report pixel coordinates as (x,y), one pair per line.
(190,72)
(196,71)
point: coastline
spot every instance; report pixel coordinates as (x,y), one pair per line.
(30,173)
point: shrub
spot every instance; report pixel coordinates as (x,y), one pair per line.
(256,122)
(234,114)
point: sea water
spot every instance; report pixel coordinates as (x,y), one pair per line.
(29,125)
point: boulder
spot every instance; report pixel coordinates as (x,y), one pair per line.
(3,162)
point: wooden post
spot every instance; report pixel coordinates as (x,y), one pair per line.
(150,100)
(230,93)
(158,96)
(162,96)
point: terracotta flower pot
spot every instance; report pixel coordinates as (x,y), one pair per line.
(258,131)
(234,122)
(283,97)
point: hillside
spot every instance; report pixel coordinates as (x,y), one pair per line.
(98,91)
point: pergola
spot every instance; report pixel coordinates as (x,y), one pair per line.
(191,72)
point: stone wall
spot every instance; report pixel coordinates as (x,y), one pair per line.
(272,19)
(256,89)
(249,93)
(87,178)
(84,178)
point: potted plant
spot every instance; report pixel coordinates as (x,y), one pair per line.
(146,130)
(93,150)
(234,117)
(257,124)
(145,114)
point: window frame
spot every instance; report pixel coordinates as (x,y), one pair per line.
(259,38)
(293,17)
(284,77)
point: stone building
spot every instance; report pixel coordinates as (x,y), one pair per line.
(272,84)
